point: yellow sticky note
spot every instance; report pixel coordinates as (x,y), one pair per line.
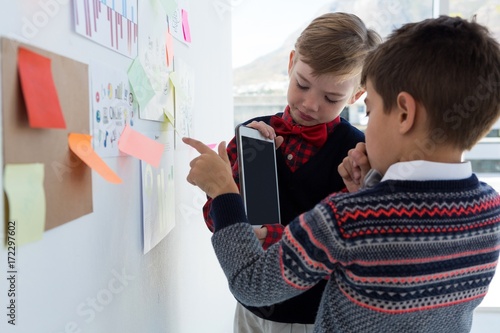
(169,115)
(175,80)
(23,185)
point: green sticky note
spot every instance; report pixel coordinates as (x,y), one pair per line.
(139,81)
(169,6)
(23,185)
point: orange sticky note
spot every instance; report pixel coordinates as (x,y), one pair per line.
(185,26)
(81,145)
(140,146)
(39,90)
(170,49)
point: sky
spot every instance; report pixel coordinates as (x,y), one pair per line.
(261,26)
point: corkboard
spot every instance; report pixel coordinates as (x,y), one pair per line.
(67,181)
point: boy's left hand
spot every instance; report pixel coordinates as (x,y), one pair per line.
(210,171)
(261,234)
(354,167)
(267,131)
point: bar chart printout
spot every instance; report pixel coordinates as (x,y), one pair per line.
(112,23)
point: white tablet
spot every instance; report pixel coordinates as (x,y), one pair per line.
(258,176)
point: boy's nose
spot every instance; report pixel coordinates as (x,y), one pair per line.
(311,104)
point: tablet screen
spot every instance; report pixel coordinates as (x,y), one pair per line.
(260,182)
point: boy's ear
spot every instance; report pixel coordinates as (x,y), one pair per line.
(406,108)
(291,61)
(356,96)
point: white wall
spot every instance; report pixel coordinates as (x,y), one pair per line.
(178,286)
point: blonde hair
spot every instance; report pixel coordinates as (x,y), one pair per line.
(336,43)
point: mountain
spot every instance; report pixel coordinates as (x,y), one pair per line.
(267,75)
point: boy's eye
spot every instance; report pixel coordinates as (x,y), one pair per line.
(330,101)
(301,86)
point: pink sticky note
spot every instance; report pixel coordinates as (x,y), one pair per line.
(140,146)
(212,145)
(80,145)
(170,49)
(39,90)
(185,26)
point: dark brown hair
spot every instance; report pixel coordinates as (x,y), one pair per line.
(450,66)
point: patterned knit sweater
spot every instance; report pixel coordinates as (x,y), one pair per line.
(403,256)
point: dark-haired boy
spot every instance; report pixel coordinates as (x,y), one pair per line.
(415,252)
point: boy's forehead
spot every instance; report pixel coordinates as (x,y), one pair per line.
(305,72)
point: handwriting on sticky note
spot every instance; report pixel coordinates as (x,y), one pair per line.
(81,145)
(26,200)
(185,26)
(140,146)
(39,90)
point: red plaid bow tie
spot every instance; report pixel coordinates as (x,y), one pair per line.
(316,135)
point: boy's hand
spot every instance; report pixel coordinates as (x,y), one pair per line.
(209,171)
(261,234)
(354,167)
(267,131)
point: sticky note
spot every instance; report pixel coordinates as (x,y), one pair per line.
(169,115)
(39,90)
(185,26)
(169,6)
(140,146)
(140,84)
(26,200)
(175,80)
(170,49)
(212,145)
(81,145)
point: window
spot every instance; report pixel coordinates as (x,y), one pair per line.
(260,86)
(264,32)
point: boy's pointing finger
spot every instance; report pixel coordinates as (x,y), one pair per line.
(198,145)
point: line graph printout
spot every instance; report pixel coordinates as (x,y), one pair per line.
(112,23)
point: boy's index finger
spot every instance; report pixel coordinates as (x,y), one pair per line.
(198,145)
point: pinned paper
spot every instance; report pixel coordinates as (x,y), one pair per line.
(26,200)
(81,145)
(170,49)
(185,26)
(143,90)
(140,146)
(39,90)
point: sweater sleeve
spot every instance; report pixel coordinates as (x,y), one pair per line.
(257,277)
